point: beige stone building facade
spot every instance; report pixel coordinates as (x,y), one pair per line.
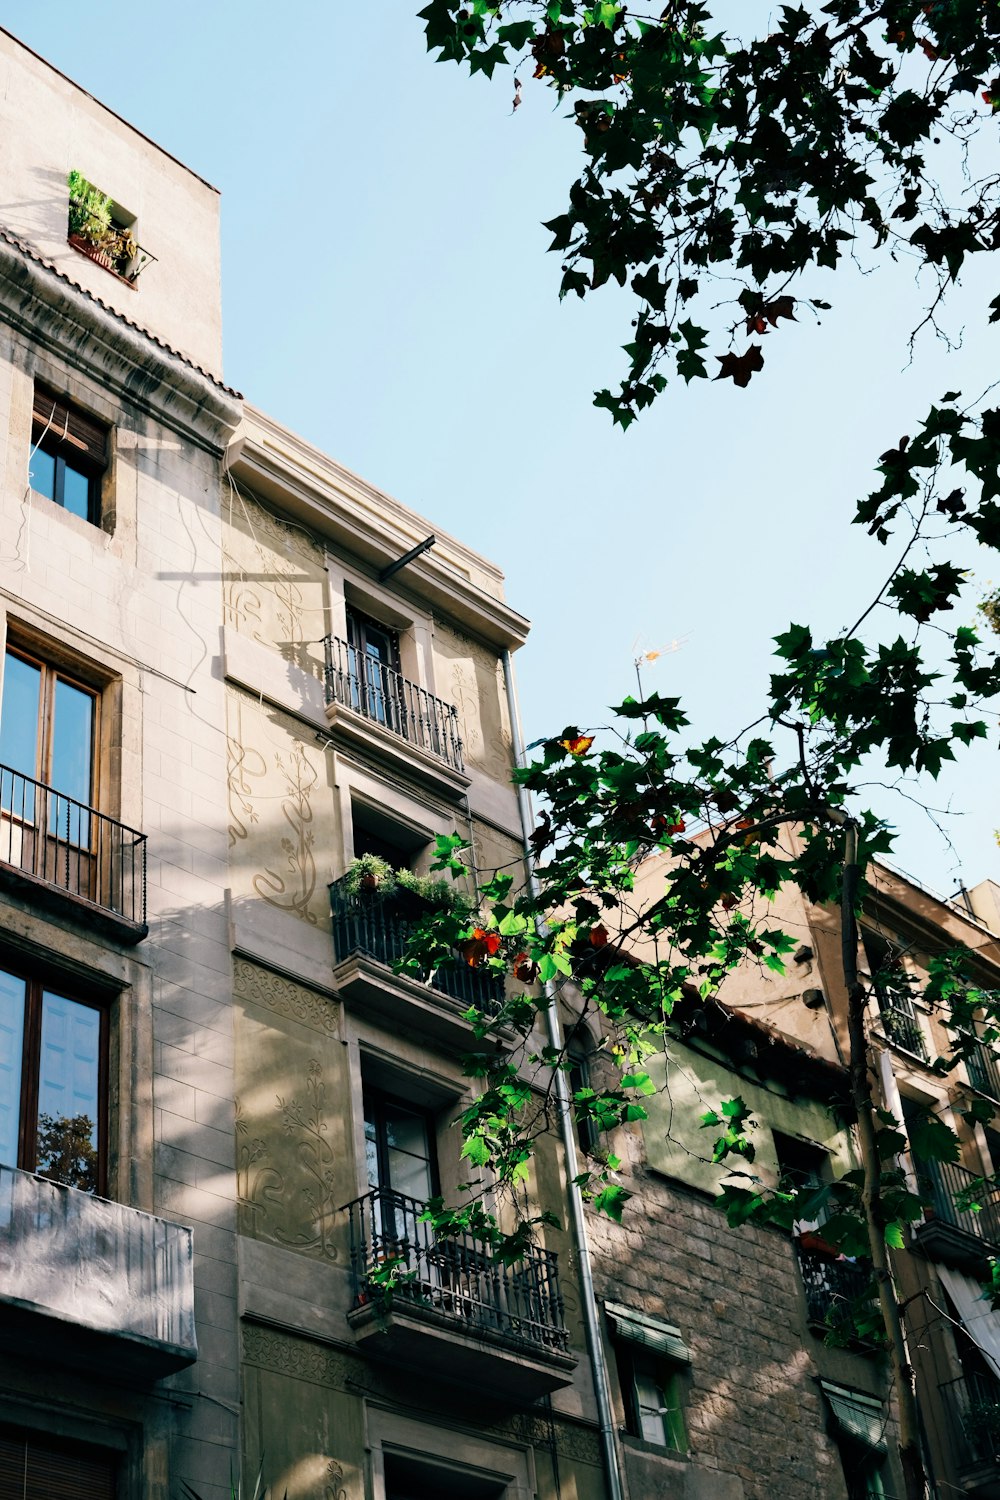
(241,687)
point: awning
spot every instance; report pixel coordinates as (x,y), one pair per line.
(982,1323)
(858,1417)
(638,1328)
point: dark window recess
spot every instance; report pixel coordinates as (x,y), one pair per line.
(34,1466)
(804,1168)
(69,455)
(422,1479)
(588,1134)
(53,1084)
(373,657)
(399,1146)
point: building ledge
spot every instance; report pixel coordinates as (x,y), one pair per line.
(372,989)
(65,903)
(93,1284)
(439,1347)
(375,741)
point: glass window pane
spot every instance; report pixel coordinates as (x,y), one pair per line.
(406,1130)
(43,474)
(68,1080)
(76,492)
(72,742)
(19,734)
(649,1400)
(410,1175)
(11,1045)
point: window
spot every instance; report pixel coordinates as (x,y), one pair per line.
(48,732)
(399,1147)
(803,1168)
(417,1479)
(48,738)
(69,455)
(102,230)
(35,1466)
(857,1425)
(53,1083)
(588,1133)
(893,986)
(374,670)
(652,1359)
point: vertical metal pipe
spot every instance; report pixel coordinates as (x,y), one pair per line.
(591,1323)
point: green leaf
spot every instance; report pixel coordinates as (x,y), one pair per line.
(512,924)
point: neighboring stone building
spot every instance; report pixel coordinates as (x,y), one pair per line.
(232,671)
(953,1335)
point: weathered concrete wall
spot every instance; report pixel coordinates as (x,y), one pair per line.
(49,127)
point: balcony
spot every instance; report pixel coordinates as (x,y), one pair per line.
(386,713)
(71,857)
(836,1290)
(983,1068)
(370,935)
(457,1312)
(973,1406)
(958,1236)
(93,1284)
(899,1021)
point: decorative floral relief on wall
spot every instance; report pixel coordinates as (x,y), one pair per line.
(274,583)
(295,1207)
(292,886)
(471,677)
(273,780)
(286,997)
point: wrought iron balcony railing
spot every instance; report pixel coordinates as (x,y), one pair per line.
(386,697)
(940,1183)
(380,928)
(983,1067)
(900,1022)
(457,1276)
(111,246)
(71,847)
(973,1405)
(836,1290)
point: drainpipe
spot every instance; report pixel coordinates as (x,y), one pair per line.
(591,1323)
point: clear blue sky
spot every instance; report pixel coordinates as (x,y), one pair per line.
(387,294)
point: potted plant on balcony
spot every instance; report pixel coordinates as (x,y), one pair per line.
(89,213)
(418,894)
(370,875)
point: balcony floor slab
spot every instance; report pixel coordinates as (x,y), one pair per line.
(439,1347)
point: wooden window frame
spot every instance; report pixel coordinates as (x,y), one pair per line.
(36,984)
(51,673)
(72,439)
(633,1361)
(375,1099)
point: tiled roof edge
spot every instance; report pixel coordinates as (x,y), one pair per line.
(31,254)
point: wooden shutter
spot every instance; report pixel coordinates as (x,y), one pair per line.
(68,426)
(34,1466)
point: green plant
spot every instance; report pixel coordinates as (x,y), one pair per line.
(260,1490)
(441,895)
(89,210)
(368,874)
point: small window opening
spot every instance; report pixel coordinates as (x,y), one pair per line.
(104,231)
(69,455)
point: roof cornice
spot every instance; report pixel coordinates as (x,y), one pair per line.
(44,305)
(370,525)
